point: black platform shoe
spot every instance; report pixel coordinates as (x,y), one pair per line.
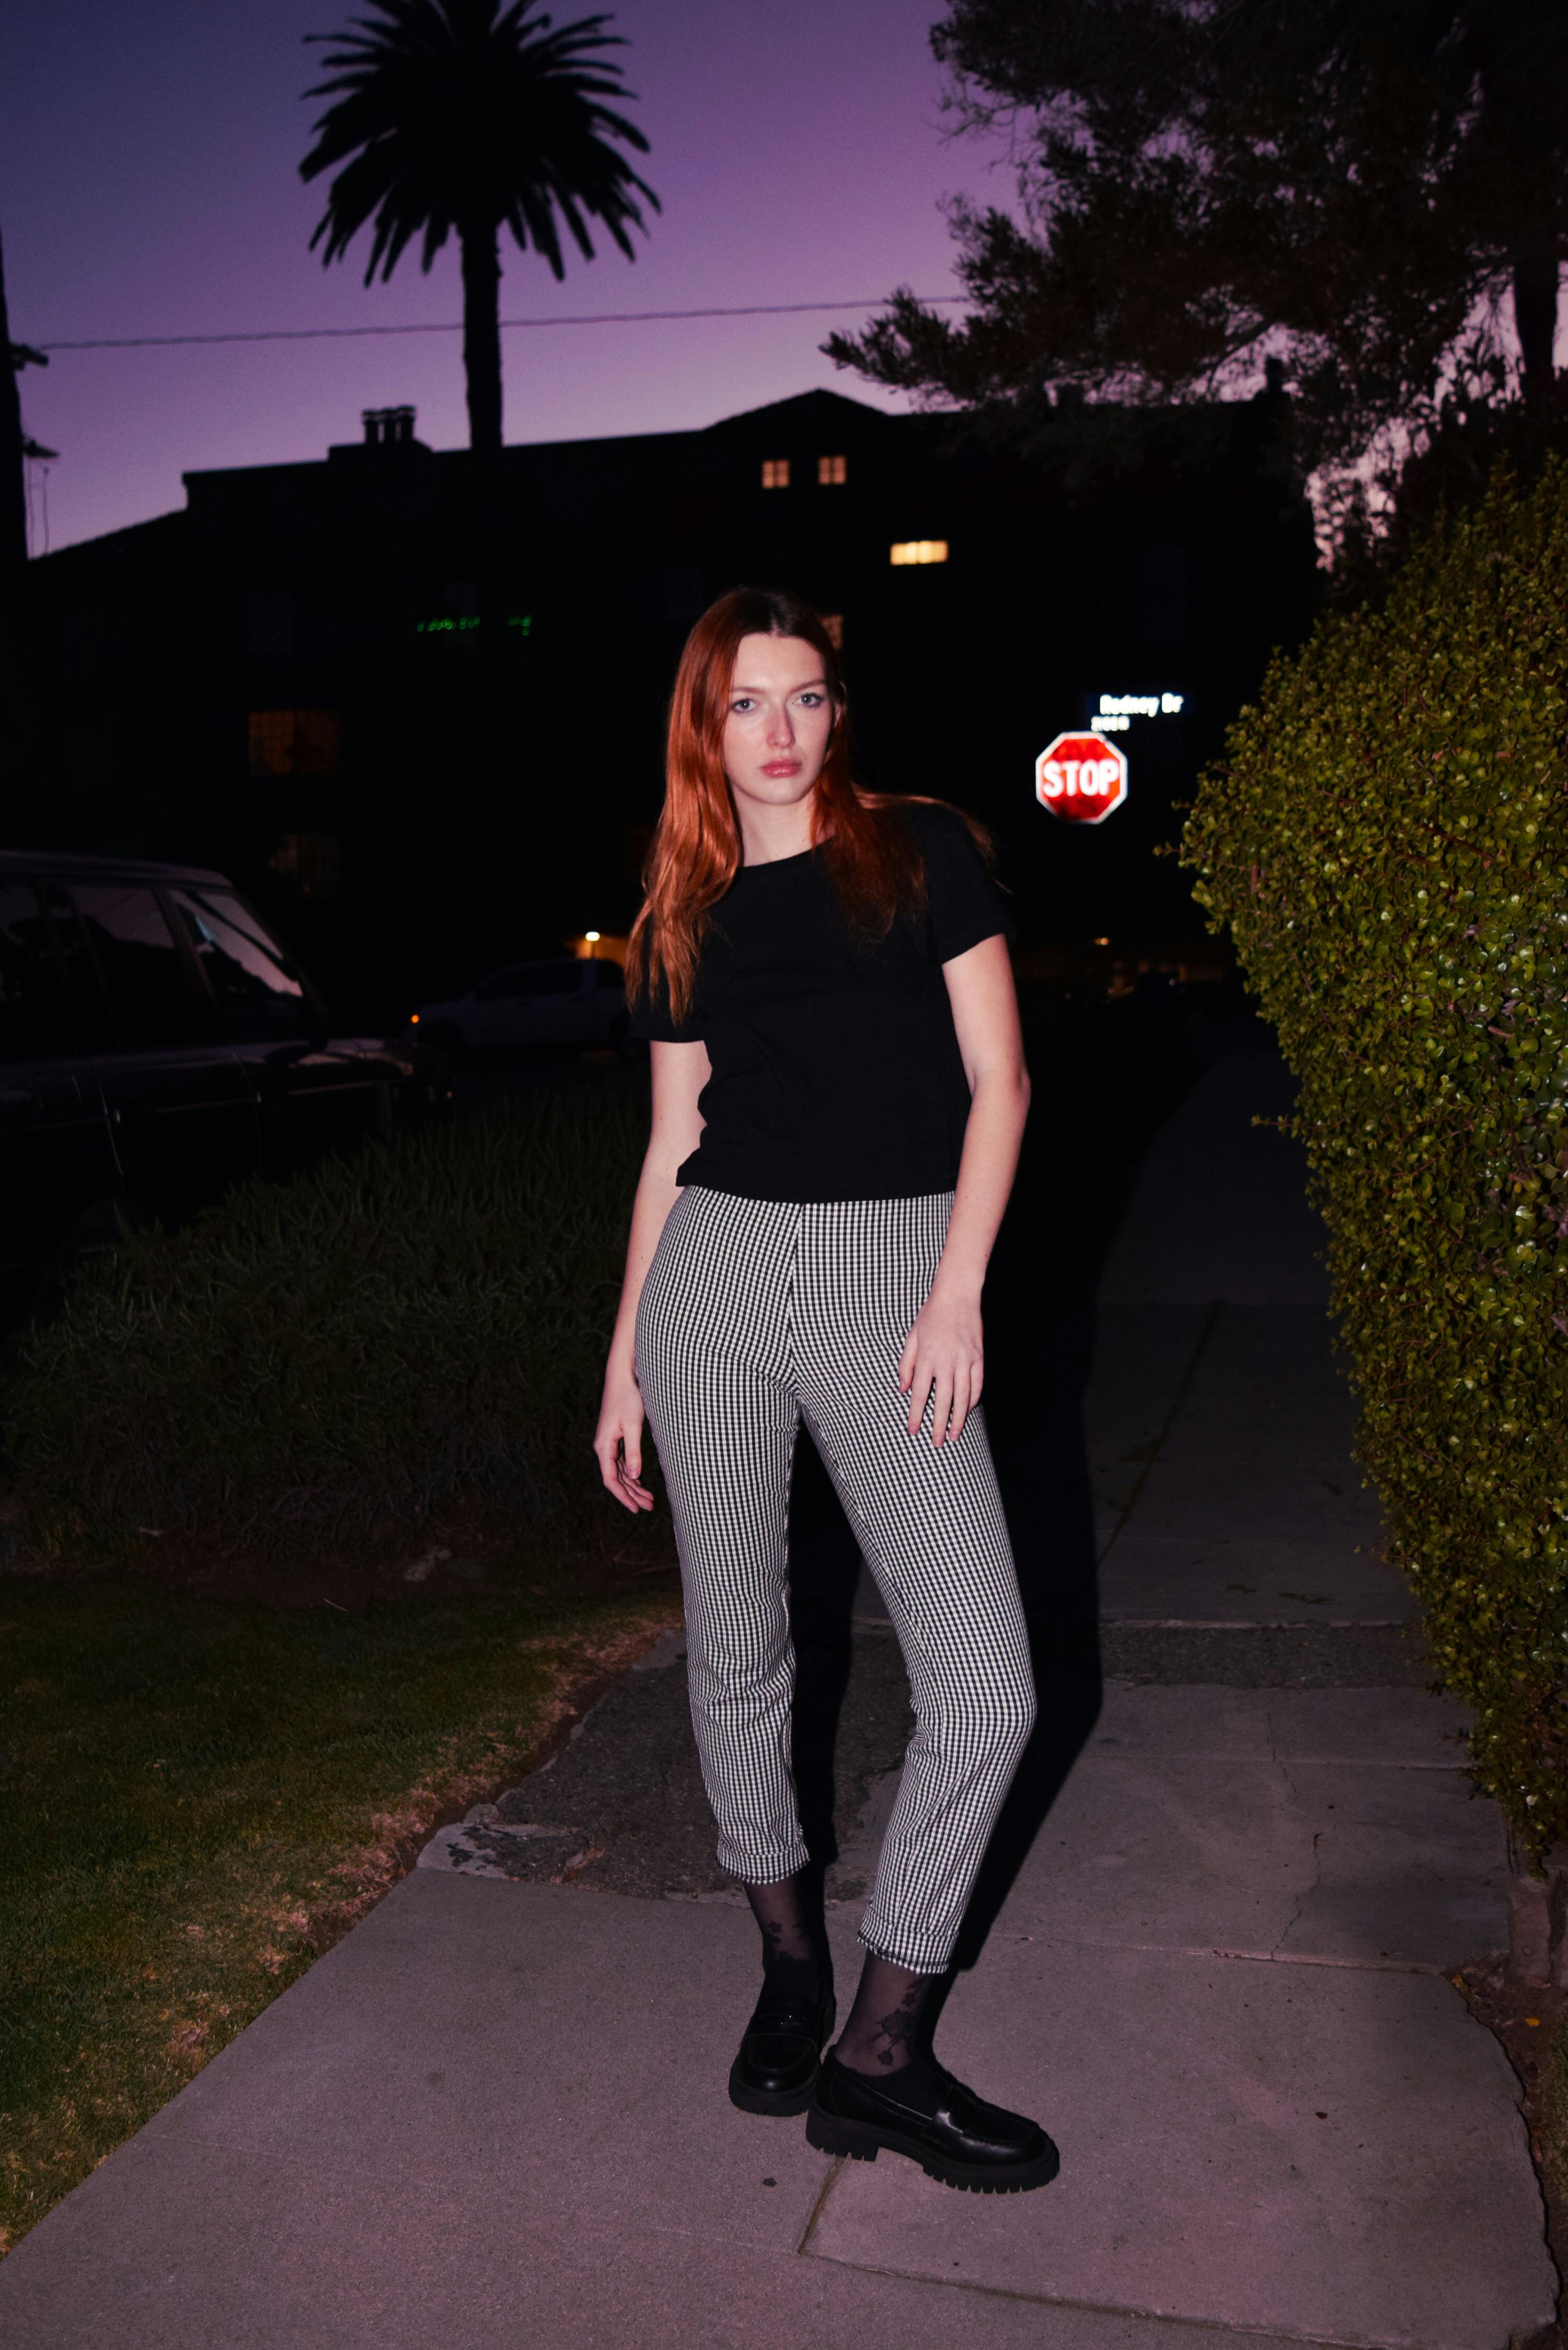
(924,2113)
(780,2051)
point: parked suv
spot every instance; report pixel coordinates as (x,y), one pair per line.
(157,1045)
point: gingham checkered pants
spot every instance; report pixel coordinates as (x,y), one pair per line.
(755,1312)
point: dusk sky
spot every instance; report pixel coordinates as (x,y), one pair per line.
(149,185)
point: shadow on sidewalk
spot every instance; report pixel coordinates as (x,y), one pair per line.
(1105,1078)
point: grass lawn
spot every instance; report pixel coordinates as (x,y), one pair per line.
(201,1794)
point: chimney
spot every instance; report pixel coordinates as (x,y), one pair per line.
(388,428)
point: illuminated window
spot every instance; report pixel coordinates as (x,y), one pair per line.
(834,623)
(294,741)
(832,471)
(918,550)
(775,472)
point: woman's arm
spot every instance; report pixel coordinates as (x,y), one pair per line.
(943,1357)
(679,1074)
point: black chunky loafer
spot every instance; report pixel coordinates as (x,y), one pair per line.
(780,2051)
(923,2112)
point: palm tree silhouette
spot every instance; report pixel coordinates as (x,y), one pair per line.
(465,115)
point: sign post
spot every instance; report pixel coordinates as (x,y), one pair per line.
(1081,777)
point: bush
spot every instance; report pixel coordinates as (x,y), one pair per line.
(334,1365)
(1387,839)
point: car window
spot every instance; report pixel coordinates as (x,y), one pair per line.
(531,979)
(152,995)
(34,1023)
(90,1026)
(257,988)
(609,977)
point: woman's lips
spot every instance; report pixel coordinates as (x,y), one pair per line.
(782,768)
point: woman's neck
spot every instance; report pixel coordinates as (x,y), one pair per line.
(769,834)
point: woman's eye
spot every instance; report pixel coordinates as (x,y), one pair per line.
(812,700)
(742,703)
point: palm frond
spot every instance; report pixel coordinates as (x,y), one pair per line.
(469,116)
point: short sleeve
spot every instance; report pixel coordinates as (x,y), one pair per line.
(650,1018)
(963,904)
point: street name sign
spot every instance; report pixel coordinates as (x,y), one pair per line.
(1081,777)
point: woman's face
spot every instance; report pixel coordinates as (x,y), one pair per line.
(779,721)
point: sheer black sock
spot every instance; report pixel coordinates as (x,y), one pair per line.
(793,1950)
(889,2024)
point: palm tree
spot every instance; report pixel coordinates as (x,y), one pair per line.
(465,115)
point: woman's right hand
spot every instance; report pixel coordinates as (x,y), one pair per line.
(679,1074)
(618,1439)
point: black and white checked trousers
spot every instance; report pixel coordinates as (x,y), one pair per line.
(755,1312)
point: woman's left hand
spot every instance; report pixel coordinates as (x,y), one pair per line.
(943,1362)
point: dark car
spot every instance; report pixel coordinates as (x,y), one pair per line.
(157,1045)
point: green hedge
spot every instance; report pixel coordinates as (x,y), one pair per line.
(1387,840)
(340,1365)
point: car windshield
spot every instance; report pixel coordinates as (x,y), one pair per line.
(255,984)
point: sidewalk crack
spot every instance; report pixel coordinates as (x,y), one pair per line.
(820,2205)
(1298,1909)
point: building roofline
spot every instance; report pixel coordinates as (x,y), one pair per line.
(794,405)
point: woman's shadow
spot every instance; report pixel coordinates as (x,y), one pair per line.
(1121,1078)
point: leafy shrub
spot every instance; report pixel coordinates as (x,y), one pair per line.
(1387,839)
(333,1365)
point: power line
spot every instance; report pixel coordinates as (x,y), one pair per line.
(454,326)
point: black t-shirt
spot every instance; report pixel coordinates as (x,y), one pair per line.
(837,1071)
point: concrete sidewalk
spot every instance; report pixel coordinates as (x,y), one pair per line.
(495,2113)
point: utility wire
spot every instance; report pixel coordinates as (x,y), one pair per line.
(454,326)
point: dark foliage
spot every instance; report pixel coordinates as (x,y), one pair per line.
(1355,186)
(1388,841)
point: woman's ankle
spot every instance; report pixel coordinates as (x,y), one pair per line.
(888,2026)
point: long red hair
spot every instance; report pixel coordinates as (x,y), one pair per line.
(874,861)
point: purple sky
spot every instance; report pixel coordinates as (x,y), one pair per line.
(149,185)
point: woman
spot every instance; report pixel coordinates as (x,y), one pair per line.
(838,1099)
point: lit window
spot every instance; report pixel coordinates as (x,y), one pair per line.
(294,741)
(775,472)
(834,623)
(918,550)
(832,471)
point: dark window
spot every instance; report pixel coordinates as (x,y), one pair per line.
(152,997)
(311,862)
(257,988)
(89,1010)
(531,979)
(294,741)
(269,624)
(33,1018)
(609,977)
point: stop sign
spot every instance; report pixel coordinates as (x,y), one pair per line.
(1081,778)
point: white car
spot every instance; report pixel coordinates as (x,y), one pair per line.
(570,1002)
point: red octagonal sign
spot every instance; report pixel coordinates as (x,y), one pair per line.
(1081,778)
